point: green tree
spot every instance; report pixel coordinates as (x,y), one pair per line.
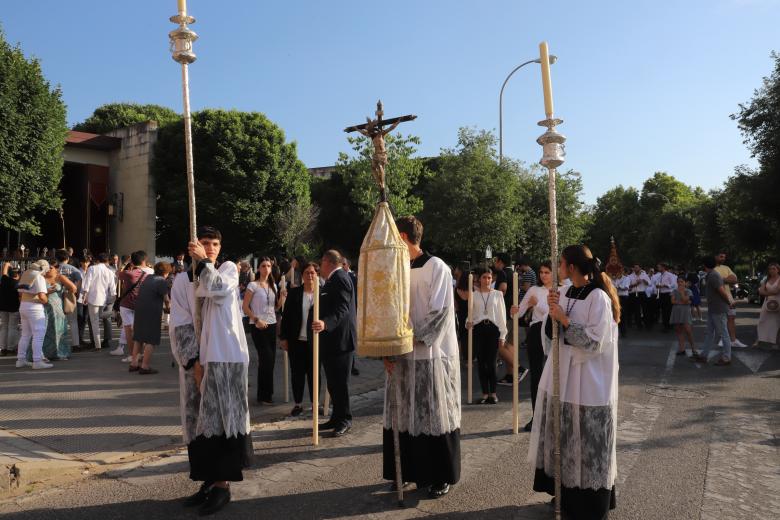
(119,115)
(32,137)
(403,172)
(573,216)
(245,175)
(616,214)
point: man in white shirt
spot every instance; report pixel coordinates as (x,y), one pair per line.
(99,293)
(622,284)
(653,305)
(638,282)
(667,282)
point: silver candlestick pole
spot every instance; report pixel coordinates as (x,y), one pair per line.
(553,154)
(182,39)
(181,47)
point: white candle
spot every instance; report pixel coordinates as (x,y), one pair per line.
(544,56)
(183,7)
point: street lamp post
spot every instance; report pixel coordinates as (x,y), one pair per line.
(553,59)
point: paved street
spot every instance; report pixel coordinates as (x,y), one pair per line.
(693,442)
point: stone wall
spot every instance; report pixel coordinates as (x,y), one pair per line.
(131,177)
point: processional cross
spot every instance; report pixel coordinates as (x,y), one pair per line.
(375,130)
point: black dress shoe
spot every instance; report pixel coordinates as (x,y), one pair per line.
(438,490)
(329,425)
(355,371)
(529,426)
(342,429)
(198,498)
(217,499)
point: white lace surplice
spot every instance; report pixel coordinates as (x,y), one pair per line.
(224,404)
(185,350)
(589,395)
(429,376)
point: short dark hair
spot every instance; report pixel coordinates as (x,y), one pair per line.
(138,257)
(504,257)
(61,255)
(412,227)
(332,256)
(102,258)
(708,262)
(523,261)
(479,271)
(209,232)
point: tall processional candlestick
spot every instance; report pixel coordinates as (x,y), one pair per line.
(181,40)
(553,156)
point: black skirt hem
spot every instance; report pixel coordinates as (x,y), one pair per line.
(425,459)
(219,458)
(577,503)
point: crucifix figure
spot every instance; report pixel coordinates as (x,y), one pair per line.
(375,130)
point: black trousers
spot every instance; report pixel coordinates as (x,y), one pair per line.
(653,310)
(301,368)
(218,458)
(265,344)
(486,343)
(624,305)
(536,359)
(665,302)
(337,370)
(636,310)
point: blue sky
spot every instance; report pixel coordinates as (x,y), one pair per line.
(642,85)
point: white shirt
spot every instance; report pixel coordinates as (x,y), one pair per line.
(99,285)
(306,304)
(622,285)
(667,282)
(263,303)
(540,307)
(489,306)
(38,286)
(652,289)
(641,280)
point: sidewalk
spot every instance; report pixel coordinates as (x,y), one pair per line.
(90,412)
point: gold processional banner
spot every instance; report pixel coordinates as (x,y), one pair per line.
(383,290)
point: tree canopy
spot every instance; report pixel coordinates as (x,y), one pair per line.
(32,137)
(245,175)
(111,116)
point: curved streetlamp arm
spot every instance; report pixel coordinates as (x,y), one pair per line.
(501,109)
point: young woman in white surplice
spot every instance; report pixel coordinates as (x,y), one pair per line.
(588,312)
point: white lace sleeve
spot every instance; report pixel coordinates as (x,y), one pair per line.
(218,285)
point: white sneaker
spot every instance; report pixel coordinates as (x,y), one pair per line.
(737,343)
(127,359)
(21,363)
(38,365)
(119,351)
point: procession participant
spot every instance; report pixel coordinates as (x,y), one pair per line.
(536,299)
(33,294)
(637,310)
(347,266)
(653,303)
(338,337)
(489,329)
(218,435)
(295,337)
(588,312)
(260,305)
(667,283)
(622,284)
(428,377)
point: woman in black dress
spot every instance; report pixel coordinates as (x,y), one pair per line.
(152,295)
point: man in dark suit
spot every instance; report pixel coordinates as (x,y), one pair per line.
(345,264)
(338,336)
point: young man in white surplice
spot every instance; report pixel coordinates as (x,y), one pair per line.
(588,313)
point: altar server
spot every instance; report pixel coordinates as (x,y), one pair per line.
(588,312)
(428,377)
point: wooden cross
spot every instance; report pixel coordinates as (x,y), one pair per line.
(375,130)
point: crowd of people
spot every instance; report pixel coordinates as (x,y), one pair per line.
(52,302)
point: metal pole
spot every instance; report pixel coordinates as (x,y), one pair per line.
(395,389)
(501,110)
